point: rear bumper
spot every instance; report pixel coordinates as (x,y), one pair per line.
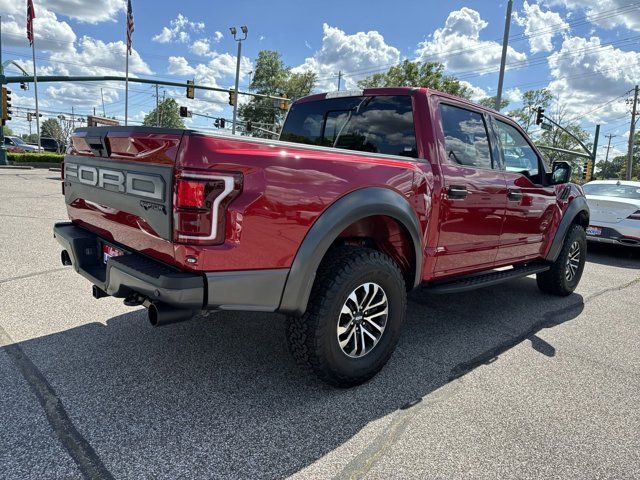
(131,273)
(614,236)
(255,290)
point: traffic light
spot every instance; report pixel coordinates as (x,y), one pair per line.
(184,112)
(24,86)
(284,103)
(588,170)
(232,97)
(219,123)
(6,105)
(248,126)
(191,91)
(539,115)
(29,116)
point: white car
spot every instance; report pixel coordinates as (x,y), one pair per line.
(615,211)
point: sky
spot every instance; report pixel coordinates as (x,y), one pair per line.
(586,52)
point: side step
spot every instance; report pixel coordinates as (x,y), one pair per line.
(487,279)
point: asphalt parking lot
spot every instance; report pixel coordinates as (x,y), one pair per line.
(503,382)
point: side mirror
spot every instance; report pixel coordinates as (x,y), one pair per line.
(561,173)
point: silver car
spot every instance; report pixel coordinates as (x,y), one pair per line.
(615,211)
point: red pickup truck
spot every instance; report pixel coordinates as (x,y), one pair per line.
(365,196)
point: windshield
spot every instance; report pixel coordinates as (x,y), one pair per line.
(612,190)
(377,124)
(18,141)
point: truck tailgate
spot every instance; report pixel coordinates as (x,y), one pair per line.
(118,184)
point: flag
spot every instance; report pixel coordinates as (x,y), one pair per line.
(129,26)
(31,14)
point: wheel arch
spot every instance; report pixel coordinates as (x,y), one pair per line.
(355,206)
(576,212)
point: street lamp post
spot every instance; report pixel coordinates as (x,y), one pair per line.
(238,39)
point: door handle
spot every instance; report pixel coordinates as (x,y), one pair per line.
(514,194)
(457,192)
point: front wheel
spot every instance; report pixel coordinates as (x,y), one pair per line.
(565,273)
(353,319)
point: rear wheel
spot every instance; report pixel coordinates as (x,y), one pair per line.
(565,273)
(353,319)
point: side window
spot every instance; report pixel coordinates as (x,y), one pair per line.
(465,137)
(518,154)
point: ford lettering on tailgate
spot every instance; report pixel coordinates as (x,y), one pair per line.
(139,184)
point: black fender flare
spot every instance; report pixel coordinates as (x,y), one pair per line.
(577,205)
(348,209)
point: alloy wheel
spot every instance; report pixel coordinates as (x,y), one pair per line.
(573,261)
(362,320)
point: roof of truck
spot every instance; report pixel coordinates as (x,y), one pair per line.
(390,91)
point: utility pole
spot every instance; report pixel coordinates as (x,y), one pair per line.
(157,107)
(3,150)
(339,79)
(234,31)
(104,113)
(606,157)
(503,59)
(632,132)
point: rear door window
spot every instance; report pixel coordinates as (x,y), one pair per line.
(376,124)
(465,137)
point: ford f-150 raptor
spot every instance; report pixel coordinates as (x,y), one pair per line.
(365,196)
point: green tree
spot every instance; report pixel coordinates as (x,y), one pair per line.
(166,115)
(417,74)
(30,138)
(490,102)
(616,168)
(6,129)
(273,77)
(531,99)
(51,128)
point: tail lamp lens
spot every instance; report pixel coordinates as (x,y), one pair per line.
(635,215)
(200,205)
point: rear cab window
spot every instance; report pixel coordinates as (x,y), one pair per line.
(377,124)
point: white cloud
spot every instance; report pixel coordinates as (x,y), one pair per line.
(458,46)
(88,11)
(475,93)
(540,26)
(51,34)
(348,53)
(179,30)
(219,66)
(605,13)
(586,74)
(513,95)
(217,36)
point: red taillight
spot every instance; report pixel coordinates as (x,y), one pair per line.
(200,204)
(190,194)
(635,215)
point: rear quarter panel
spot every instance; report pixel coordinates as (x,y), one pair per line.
(285,189)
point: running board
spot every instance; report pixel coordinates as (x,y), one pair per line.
(481,280)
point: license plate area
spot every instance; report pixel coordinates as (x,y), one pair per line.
(109,251)
(594,231)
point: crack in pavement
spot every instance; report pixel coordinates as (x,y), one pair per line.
(362,463)
(29,275)
(72,440)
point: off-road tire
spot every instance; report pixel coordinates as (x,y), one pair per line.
(312,337)
(554,280)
